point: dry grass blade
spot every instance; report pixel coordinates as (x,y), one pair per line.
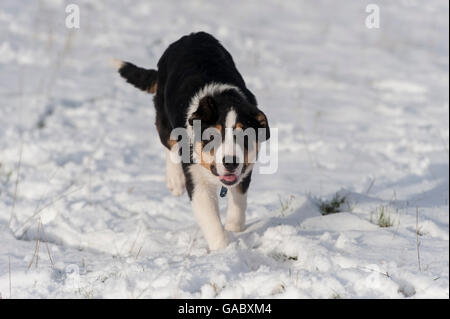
(417,238)
(134,242)
(24,228)
(139,251)
(44,237)
(36,249)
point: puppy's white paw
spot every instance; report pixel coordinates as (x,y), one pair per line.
(234,227)
(220,242)
(175,179)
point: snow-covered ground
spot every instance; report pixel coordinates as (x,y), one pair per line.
(363,112)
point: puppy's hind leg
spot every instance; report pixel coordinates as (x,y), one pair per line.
(175,179)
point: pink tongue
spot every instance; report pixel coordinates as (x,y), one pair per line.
(228,178)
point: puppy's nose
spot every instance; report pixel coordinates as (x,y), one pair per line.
(230,162)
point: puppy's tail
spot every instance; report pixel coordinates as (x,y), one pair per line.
(144,79)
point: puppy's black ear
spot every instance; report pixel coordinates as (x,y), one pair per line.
(206,111)
(263,128)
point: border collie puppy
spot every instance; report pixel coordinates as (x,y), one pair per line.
(199,90)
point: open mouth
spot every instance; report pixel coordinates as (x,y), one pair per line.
(228,179)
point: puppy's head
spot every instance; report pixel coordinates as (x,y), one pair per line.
(227,130)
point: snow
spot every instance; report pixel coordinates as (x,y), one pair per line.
(362,112)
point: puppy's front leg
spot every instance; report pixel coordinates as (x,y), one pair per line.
(237,204)
(206,211)
(175,179)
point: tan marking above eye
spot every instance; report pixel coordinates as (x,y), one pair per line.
(261,118)
(206,160)
(171,143)
(152,89)
(211,151)
(239,125)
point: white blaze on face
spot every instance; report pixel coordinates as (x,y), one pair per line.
(229,147)
(230,123)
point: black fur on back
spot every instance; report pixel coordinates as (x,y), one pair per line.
(187,66)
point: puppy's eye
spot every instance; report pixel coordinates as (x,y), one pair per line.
(208,140)
(212,138)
